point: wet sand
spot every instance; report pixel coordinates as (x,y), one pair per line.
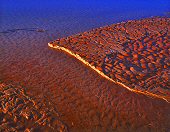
(83,100)
(19,112)
(133,54)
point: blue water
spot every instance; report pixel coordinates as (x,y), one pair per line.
(73,16)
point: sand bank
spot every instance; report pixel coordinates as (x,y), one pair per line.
(134,54)
(84,100)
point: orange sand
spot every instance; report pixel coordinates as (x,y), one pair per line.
(136,59)
(84,100)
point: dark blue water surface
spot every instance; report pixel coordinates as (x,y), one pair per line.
(73,16)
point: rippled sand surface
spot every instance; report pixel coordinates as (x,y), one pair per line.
(84,100)
(134,54)
(19,112)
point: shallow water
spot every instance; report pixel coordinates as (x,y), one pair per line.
(84,99)
(68,17)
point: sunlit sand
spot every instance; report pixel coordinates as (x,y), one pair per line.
(128,54)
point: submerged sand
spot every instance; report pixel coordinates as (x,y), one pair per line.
(134,54)
(84,100)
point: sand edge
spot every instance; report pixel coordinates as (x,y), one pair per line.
(103,75)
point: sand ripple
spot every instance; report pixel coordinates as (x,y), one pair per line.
(134,54)
(19,112)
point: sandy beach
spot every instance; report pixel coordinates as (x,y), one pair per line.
(84,101)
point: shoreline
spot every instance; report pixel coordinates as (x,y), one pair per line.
(67,44)
(103,75)
(75,96)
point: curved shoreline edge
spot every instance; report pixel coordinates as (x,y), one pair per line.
(103,75)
